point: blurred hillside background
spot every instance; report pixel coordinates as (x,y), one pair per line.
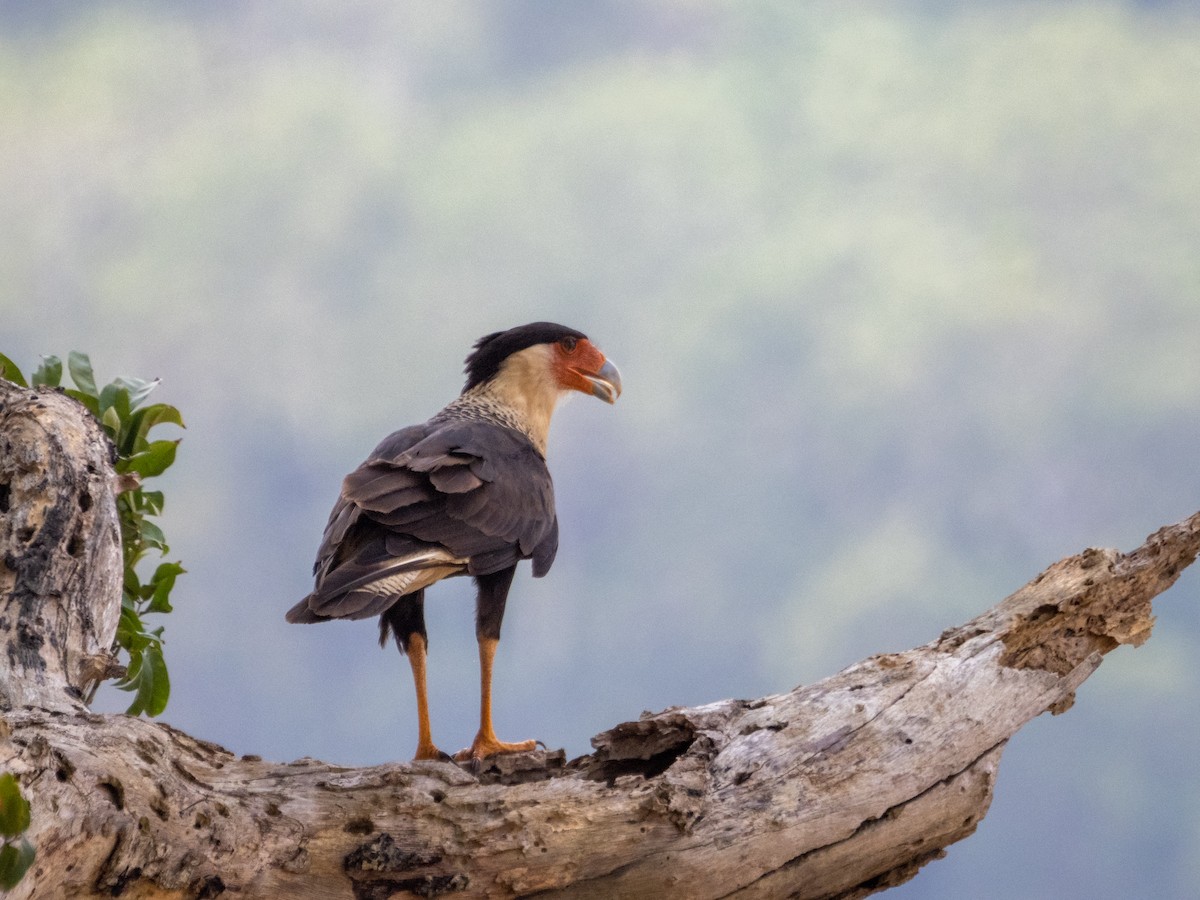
(906,298)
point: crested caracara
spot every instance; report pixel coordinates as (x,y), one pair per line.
(466,493)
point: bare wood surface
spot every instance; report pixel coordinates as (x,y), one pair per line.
(60,549)
(836,789)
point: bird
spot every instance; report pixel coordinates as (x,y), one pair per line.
(467,493)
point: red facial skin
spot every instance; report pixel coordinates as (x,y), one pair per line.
(572,359)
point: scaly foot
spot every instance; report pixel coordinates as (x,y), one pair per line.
(486,745)
(430,751)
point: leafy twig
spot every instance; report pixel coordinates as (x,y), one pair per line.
(118,407)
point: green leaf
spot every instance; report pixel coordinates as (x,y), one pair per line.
(153,536)
(9,371)
(137,389)
(163,582)
(162,414)
(133,670)
(151,502)
(132,550)
(141,421)
(152,684)
(154,460)
(133,586)
(15,860)
(49,372)
(114,396)
(81,373)
(131,634)
(14,809)
(111,421)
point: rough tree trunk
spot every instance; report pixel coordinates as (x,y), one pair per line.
(60,550)
(836,789)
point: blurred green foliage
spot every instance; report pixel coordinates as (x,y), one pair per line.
(119,408)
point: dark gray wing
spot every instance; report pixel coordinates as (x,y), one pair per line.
(478,489)
(428,495)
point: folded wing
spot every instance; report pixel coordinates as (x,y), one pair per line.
(434,500)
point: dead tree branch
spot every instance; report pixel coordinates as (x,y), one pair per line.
(835,789)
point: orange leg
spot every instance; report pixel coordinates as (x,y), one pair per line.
(486,743)
(416,658)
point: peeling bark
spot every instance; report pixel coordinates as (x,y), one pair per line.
(836,789)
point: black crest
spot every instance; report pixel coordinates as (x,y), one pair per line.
(491,350)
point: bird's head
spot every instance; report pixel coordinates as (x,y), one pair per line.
(528,368)
(543,356)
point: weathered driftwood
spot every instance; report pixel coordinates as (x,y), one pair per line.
(836,789)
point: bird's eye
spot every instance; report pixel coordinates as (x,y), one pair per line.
(568,343)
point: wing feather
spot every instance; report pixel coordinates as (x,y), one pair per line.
(455,480)
(431,501)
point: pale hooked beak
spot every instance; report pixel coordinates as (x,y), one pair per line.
(606,384)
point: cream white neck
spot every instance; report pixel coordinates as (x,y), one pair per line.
(527,385)
(523,394)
